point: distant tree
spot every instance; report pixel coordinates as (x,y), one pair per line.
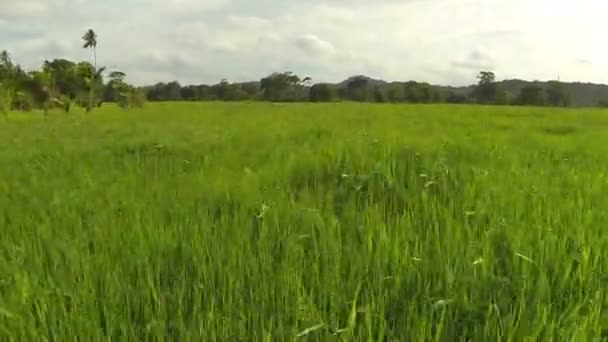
(455,98)
(226,91)
(322,92)
(558,95)
(425,91)
(436,96)
(303,89)
(52,94)
(6,86)
(306,81)
(117,90)
(396,92)
(280,87)
(5,58)
(43,88)
(205,92)
(358,89)
(137,97)
(190,93)
(14,80)
(6,100)
(116,84)
(174,91)
(602,103)
(251,90)
(531,95)
(380,94)
(90,80)
(415,92)
(6,67)
(171,91)
(156,92)
(486,89)
(502,98)
(90,42)
(117,76)
(64,74)
(222,90)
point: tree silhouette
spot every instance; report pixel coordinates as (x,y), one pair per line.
(5,58)
(90,42)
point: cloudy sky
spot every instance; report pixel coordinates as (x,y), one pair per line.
(203,41)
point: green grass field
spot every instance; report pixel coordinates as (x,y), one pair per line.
(261,222)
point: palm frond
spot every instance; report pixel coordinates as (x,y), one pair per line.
(90,39)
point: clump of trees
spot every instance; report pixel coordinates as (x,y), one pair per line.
(486,90)
(284,87)
(553,94)
(289,87)
(323,92)
(124,94)
(60,83)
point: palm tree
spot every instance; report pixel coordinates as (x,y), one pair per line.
(5,58)
(117,75)
(6,91)
(90,42)
(5,100)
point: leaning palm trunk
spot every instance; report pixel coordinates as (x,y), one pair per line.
(92,80)
(91,93)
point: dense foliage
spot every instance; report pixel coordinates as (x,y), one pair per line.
(287,87)
(60,82)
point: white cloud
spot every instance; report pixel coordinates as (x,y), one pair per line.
(223,46)
(26,8)
(478,59)
(314,46)
(248,22)
(184,7)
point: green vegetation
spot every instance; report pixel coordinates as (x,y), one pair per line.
(288,87)
(61,82)
(260,222)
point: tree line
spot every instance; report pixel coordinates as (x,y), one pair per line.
(288,87)
(486,92)
(60,83)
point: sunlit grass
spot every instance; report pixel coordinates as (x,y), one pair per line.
(248,221)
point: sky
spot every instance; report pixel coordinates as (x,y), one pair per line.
(203,41)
